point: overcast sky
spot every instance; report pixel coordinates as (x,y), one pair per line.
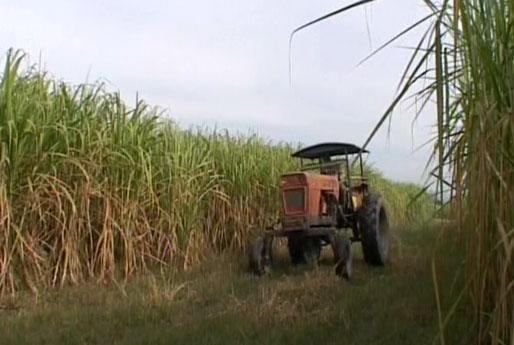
(224,63)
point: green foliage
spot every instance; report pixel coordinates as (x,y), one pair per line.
(90,187)
(406,203)
(465,62)
(218,303)
(472,45)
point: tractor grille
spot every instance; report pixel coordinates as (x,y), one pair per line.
(294,200)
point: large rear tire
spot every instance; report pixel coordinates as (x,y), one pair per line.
(374,230)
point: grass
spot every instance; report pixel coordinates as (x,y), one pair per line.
(95,192)
(472,46)
(91,188)
(117,227)
(464,63)
(219,303)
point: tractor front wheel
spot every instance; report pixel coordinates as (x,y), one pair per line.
(261,255)
(343,256)
(374,230)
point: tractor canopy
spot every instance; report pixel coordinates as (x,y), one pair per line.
(327,150)
(331,157)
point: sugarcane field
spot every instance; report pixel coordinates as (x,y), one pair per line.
(223,172)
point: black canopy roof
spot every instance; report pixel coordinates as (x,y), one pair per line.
(328,150)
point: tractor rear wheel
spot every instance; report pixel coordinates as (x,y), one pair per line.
(261,255)
(374,230)
(343,256)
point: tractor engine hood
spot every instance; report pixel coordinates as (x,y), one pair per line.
(304,197)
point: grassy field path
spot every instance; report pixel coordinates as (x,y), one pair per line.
(219,303)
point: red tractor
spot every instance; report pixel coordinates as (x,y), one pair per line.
(319,207)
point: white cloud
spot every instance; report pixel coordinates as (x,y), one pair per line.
(225,63)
